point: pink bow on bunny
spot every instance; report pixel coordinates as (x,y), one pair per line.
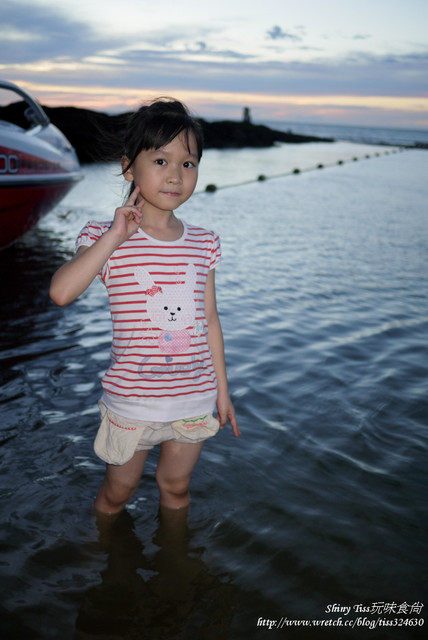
(153,291)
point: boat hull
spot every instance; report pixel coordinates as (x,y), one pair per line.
(21,207)
(38,165)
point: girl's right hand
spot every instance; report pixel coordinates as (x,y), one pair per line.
(74,277)
(128,218)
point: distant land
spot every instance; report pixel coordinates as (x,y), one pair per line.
(85,130)
(96,135)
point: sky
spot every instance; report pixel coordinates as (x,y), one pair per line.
(346,62)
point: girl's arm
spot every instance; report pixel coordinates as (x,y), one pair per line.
(74,277)
(215,341)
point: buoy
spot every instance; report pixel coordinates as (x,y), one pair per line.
(211,188)
(261,178)
(320,166)
(296,171)
(340,162)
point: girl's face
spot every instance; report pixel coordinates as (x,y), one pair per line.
(166,176)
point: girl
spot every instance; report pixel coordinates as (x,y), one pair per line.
(167,370)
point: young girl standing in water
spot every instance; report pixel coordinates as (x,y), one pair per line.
(167,371)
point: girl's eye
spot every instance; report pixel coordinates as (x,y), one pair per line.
(160,162)
(189,165)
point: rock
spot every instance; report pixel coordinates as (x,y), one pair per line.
(227,134)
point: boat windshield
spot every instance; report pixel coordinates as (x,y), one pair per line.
(16,110)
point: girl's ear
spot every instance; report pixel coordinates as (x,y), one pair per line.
(127,172)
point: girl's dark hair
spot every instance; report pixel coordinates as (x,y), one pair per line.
(156,125)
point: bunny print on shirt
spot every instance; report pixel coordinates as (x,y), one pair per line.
(170,308)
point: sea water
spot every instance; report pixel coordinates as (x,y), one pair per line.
(363,135)
(318,514)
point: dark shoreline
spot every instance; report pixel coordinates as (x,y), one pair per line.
(96,136)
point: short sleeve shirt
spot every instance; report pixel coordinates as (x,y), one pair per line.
(161,366)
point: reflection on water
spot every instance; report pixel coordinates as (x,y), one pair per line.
(324,304)
(162,591)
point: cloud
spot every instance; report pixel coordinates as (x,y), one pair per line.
(190,68)
(173,36)
(362,74)
(276,33)
(180,55)
(48,33)
(54,41)
(40,45)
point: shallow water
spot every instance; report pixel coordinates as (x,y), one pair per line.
(324,304)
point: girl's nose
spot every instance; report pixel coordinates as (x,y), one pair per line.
(174,176)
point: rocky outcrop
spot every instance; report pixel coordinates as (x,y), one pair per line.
(96,136)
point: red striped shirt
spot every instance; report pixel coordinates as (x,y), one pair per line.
(161,367)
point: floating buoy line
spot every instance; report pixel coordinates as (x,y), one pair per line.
(212,188)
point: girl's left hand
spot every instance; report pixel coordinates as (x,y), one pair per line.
(225,412)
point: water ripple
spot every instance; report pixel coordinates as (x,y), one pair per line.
(323,298)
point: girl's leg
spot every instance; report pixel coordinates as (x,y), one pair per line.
(119,484)
(175,466)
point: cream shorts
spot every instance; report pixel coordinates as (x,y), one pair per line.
(119,438)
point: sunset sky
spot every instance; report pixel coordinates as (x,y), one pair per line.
(362,62)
